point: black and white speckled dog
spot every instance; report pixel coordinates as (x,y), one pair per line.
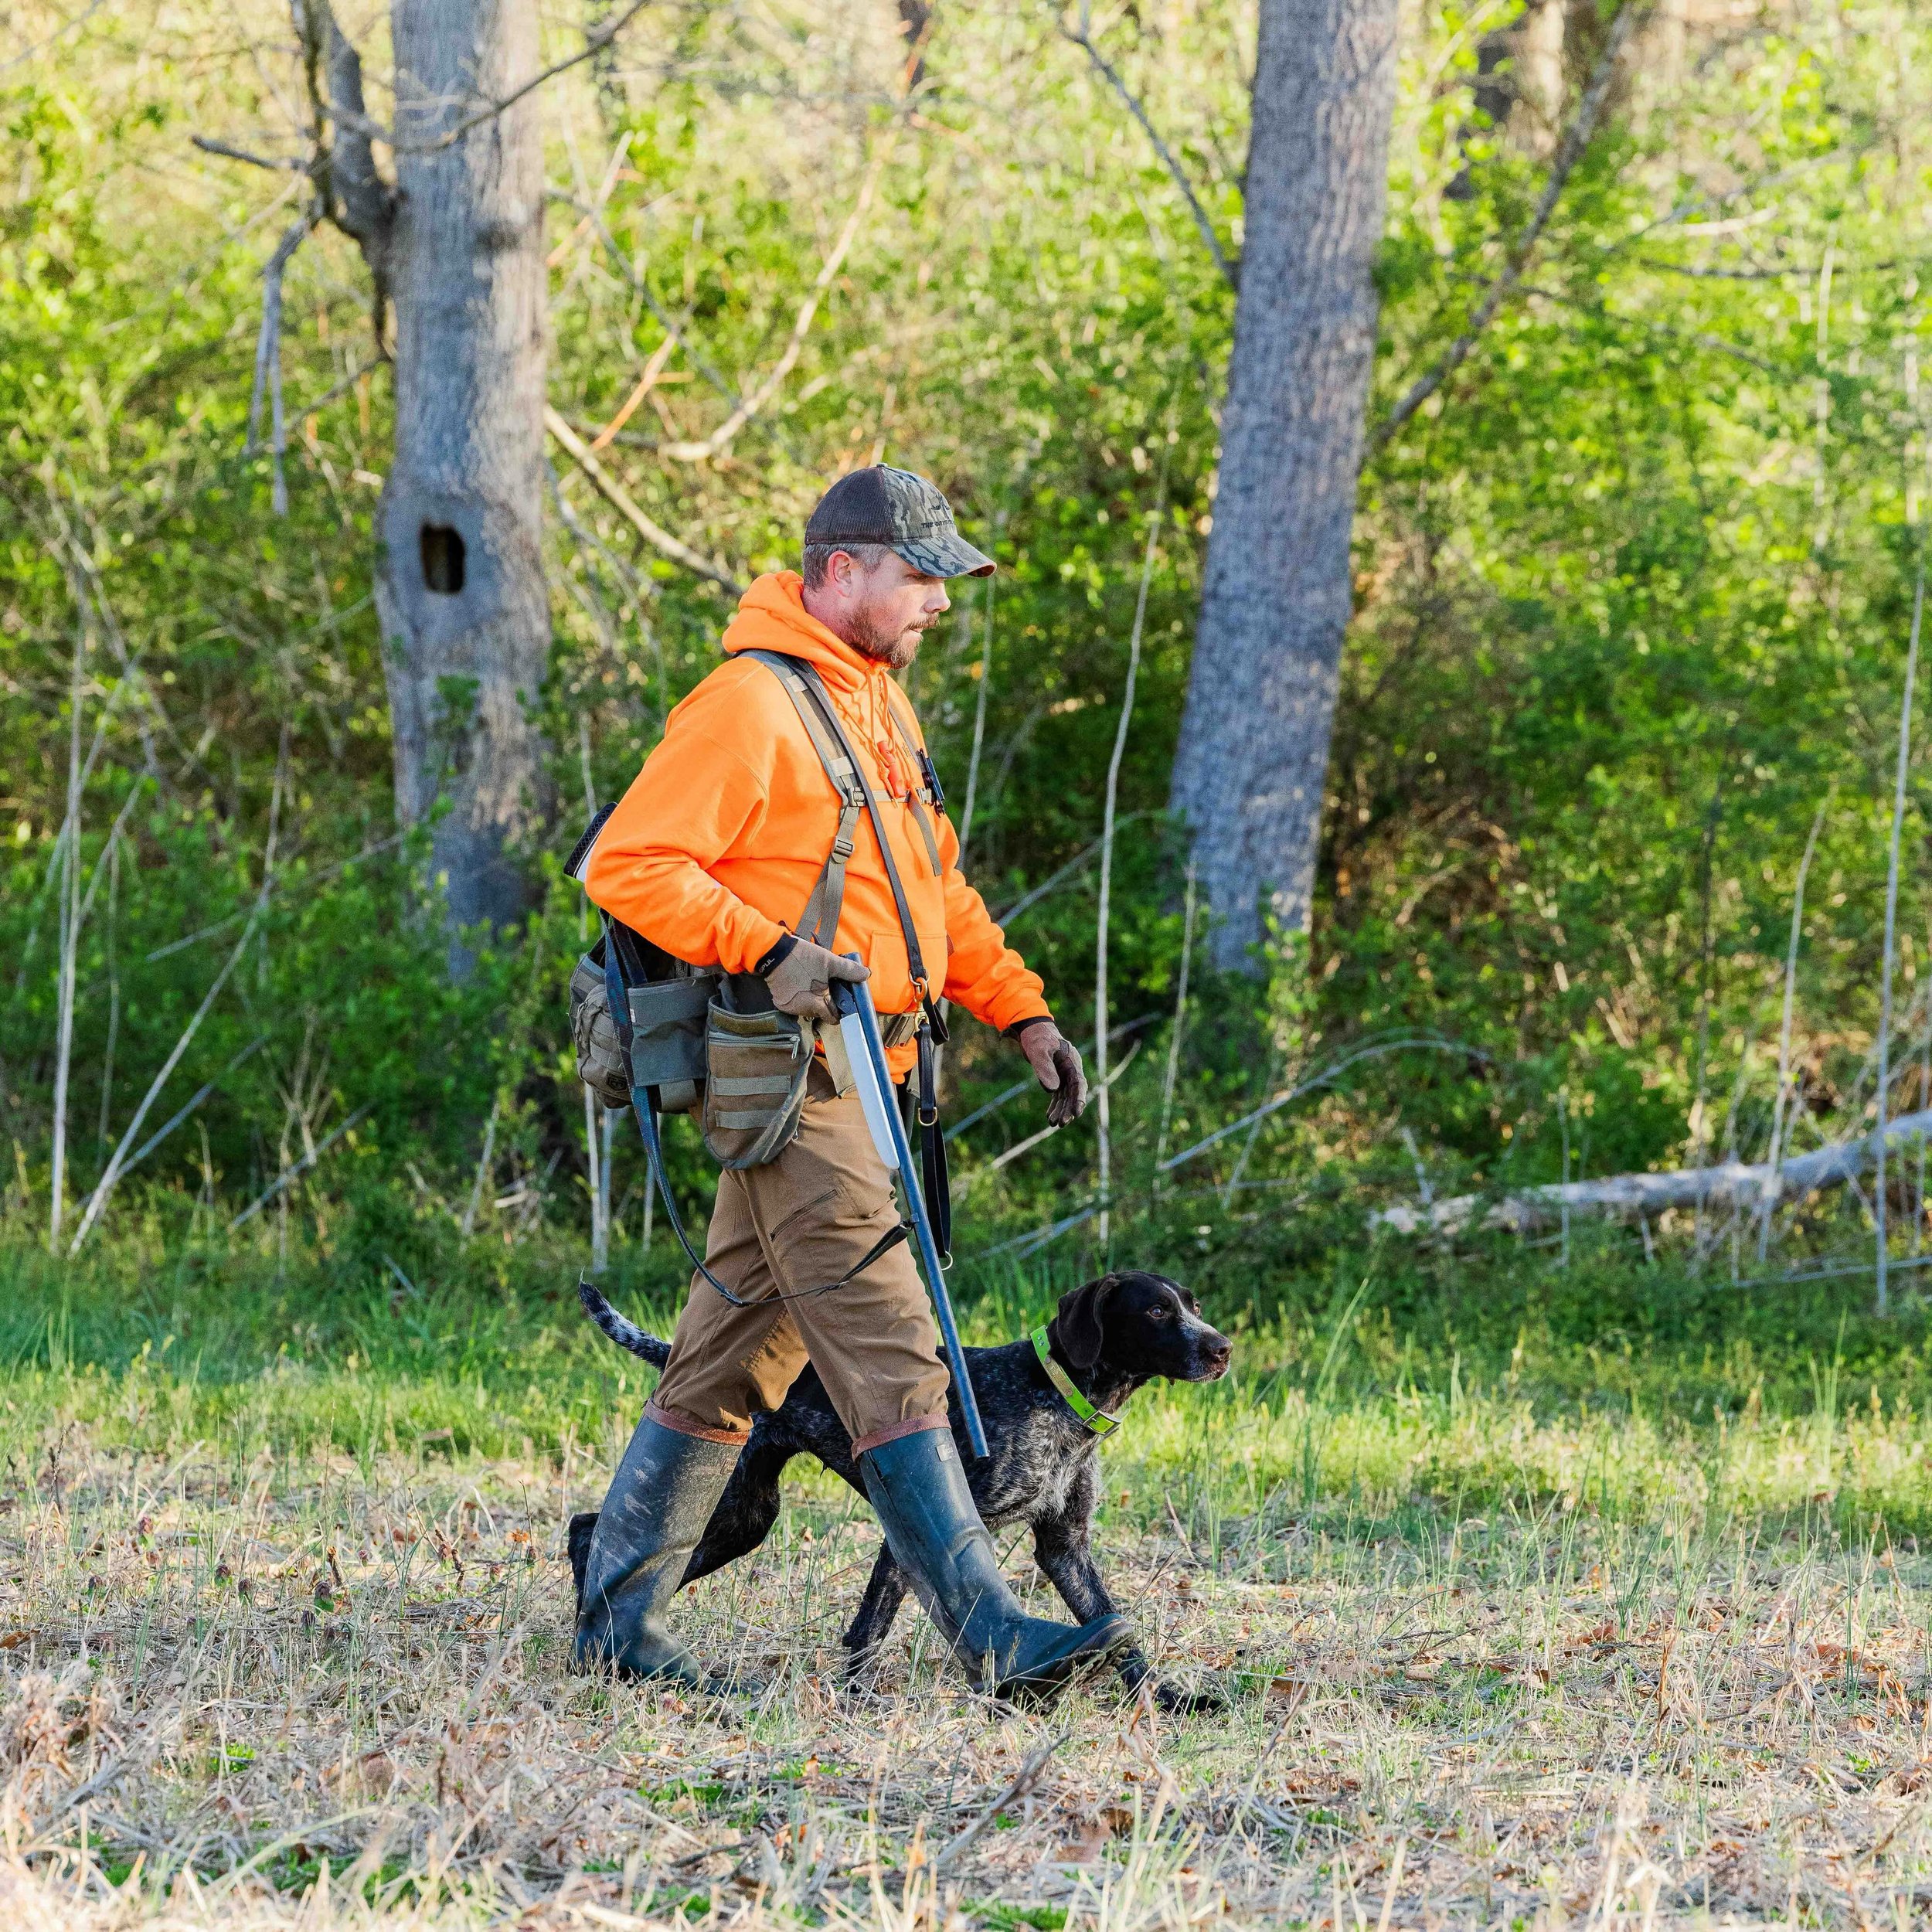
(1108,1337)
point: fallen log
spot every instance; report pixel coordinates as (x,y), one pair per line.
(1732,1183)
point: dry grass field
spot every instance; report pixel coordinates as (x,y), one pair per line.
(1482,1669)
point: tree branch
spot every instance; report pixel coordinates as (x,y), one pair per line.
(595,41)
(1575,140)
(620,500)
(268,359)
(1080,37)
(360,202)
(748,406)
(287,165)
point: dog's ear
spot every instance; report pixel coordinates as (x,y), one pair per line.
(1078,1323)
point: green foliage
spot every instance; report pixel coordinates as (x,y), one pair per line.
(1632,595)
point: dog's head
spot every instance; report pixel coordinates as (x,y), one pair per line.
(1142,1325)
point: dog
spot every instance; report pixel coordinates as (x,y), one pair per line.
(1111,1336)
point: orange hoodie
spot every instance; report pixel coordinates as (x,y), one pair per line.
(714,850)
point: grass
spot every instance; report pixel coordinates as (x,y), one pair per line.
(1532,1631)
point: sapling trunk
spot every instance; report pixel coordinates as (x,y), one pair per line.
(1892,921)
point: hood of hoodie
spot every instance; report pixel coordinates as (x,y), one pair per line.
(771,615)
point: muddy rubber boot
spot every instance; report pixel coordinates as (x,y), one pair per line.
(920,1491)
(657,1506)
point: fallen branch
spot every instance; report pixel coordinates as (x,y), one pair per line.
(1735,1182)
(1577,139)
(619,499)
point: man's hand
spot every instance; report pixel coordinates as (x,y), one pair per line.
(1056,1061)
(800,974)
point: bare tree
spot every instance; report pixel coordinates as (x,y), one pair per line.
(456,247)
(453,239)
(1254,737)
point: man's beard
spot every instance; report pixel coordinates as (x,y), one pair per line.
(895,649)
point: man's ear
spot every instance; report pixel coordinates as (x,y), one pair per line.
(1077,1326)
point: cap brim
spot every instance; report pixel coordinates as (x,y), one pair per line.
(944,556)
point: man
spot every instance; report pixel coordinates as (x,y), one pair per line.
(712,854)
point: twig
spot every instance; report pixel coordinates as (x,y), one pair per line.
(109,1775)
(653,368)
(291,1173)
(1027,901)
(1022,1781)
(200,1093)
(595,41)
(748,406)
(979,714)
(1101,1084)
(1230,270)
(600,1197)
(620,500)
(268,360)
(1891,919)
(1783,1096)
(1104,1110)
(282,164)
(1422,1043)
(117,1162)
(1027,1086)
(69,934)
(60,33)
(468,1222)
(312,879)
(1577,138)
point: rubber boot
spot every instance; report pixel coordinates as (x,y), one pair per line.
(657,1507)
(919,1489)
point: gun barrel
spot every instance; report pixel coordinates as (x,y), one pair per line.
(856,1000)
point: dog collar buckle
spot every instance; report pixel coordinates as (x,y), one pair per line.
(1097,1420)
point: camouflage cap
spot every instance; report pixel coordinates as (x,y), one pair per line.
(904,512)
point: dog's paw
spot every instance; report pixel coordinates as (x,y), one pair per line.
(1178,1702)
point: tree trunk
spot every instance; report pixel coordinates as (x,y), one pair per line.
(460,585)
(1254,737)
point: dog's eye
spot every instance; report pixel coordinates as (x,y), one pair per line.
(1160,1314)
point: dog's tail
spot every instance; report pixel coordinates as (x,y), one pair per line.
(625,1334)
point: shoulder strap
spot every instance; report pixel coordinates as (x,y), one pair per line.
(819,921)
(809,695)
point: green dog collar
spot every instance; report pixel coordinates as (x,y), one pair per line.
(1097,1420)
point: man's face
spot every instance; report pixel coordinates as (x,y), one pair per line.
(883,613)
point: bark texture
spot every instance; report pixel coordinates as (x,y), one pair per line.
(459,584)
(1254,751)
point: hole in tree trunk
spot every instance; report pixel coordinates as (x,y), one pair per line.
(442,559)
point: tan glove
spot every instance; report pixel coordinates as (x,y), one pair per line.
(800,974)
(1055,1061)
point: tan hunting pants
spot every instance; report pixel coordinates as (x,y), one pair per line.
(803,1219)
